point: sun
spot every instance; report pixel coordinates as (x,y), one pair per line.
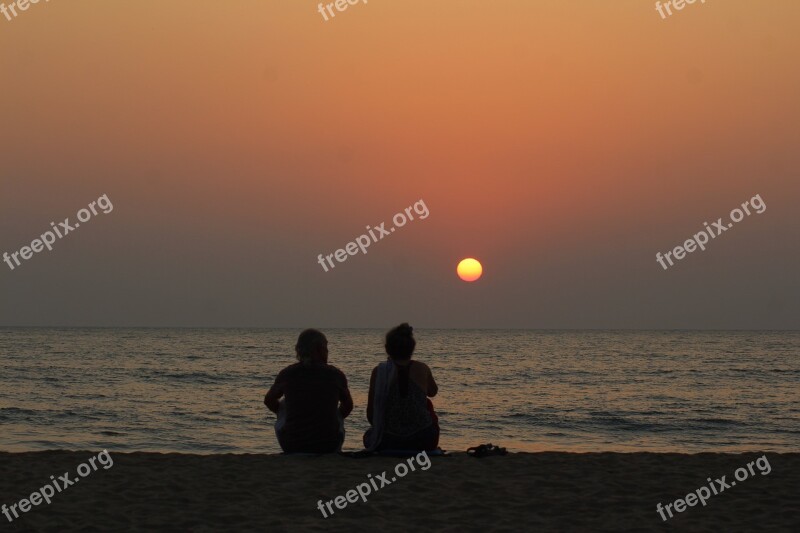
(469,269)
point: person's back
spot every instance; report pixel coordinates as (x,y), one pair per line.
(398,405)
(310,416)
(311,394)
(407,401)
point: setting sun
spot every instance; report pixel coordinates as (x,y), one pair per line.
(469,269)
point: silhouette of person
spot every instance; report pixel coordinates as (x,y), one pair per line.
(398,408)
(315,401)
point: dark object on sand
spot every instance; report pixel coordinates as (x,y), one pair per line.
(485,450)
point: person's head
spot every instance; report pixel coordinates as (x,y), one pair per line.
(312,347)
(400,342)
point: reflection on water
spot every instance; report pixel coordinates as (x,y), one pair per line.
(201,391)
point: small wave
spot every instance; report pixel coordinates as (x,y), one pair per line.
(715,422)
(188,377)
(15,413)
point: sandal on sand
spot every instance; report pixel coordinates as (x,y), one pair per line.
(485,450)
(358,455)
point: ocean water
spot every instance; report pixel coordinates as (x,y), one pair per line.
(201,390)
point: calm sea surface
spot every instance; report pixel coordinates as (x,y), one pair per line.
(201,390)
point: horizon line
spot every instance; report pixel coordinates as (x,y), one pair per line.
(416,327)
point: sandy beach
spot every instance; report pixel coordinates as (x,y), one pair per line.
(540,491)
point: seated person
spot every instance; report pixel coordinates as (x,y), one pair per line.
(398,408)
(316,399)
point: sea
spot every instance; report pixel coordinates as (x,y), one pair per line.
(201,390)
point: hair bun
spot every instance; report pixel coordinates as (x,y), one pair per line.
(400,342)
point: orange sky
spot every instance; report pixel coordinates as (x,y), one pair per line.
(562,143)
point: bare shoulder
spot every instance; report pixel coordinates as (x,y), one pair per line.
(421,367)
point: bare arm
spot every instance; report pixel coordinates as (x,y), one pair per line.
(346,402)
(273,397)
(433,388)
(370,406)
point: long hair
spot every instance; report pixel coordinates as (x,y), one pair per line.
(400,346)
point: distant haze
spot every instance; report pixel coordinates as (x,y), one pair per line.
(563,144)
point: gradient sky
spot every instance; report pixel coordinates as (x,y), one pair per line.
(562,143)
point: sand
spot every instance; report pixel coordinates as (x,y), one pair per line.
(518,492)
